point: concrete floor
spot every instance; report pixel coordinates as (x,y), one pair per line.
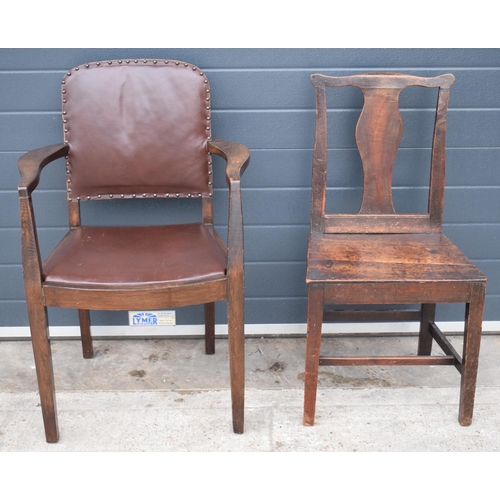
(167,395)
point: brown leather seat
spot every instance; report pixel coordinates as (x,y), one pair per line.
(136,128)
(135,256)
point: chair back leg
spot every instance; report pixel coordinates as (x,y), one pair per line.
(428,313)
(87,347)
(210,328)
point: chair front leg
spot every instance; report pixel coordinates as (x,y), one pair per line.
(236,342)
(470,357)
(43,362)
(313,347)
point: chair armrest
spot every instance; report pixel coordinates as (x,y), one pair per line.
(236,155)
(32,163)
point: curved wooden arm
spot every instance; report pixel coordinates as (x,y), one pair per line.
(236,155)
(32,163)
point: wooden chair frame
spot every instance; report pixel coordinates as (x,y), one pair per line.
(332,276)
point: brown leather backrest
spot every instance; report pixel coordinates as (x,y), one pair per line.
(137,128)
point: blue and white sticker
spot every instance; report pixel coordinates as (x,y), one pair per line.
(151,318)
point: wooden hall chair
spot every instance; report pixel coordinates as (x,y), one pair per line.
(378,257)
(135,129)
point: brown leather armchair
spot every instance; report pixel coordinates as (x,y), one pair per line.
(135,129)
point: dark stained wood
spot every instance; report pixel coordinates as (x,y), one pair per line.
(210,328)
(428,313)
(445,345)
(87,347)
(74,213)
(378,223)
(313,346)
(385,360)
(470,355)
(379,257)
(134,298)
(237,157)
(32,163)
(371,316)
(378,134)
(37,314)
(59,282)
(396,293)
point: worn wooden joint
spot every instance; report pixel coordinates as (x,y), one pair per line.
(236,155)
(31,165)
